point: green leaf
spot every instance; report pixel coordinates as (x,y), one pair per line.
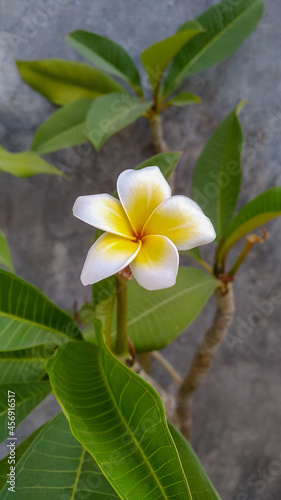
(24,365)
(217,175)
(5,256)
(63,81)
(25,164)
(21,449)
(227,24)
(157,318)
(166,162)
(28,318)
(65,128)
(27,397)
(200,485)
(184,99)
(106,55)
(194,253)
(265,207)
(119,419)
(156,58)
(111,113)
(54,465)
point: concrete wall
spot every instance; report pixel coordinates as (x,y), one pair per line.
(236,430)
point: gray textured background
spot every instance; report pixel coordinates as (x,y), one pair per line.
(236,430)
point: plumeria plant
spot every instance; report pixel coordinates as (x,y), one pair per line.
(120,435)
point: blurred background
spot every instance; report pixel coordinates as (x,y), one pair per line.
(237,410)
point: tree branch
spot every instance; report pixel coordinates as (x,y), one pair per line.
(204,355)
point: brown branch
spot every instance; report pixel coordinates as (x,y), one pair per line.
(204,356)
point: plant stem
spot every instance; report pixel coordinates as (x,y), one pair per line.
(251,240)
(160,145)
(168,367)
(122,335)
(204,355)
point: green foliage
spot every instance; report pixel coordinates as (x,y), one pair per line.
(106,55)
(51,463)
(63,82)
(258,211)
(227,24)
(25,164)
(157,57)
(166,162)
(66,127)
(21,449)
(28,318)
(110,113)
(5,256)
(157,318)
(119,419)
(24,365)
(27,397)
(184,99)
(217,176)
(200,485)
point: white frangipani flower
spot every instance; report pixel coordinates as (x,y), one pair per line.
(145,229)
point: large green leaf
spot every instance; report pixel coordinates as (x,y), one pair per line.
(5,256)
(157,57)
(157,318)
(21,449)
(200,485)
(54,465)
(63,81)
(65,128)
(119,419)
(24,365)
(217,176)
(263,208)
(27,397)
(106,55)
(227,24)
(110,113)
(25,164)
(28,318)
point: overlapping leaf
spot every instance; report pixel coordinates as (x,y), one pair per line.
(63,81)
(217,176)
(24,365)
(52,464)
(5,256)
(119,419)
(106,55)
(258,211)
(226,24)
(184,99)
(157,318)
(27,397)
(21,449)
(111,113)
(65,128)
(200,485)
(25,164)
(28,318)
(157,57)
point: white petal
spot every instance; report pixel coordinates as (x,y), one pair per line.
(107,256)
(104,212)
(182,221)
(140,192)
(156,264)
